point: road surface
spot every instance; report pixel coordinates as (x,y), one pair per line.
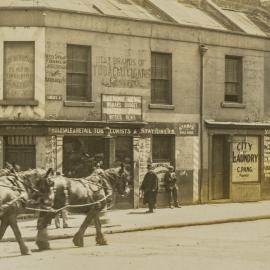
(233,246)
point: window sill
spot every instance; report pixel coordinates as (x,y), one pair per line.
(161,106)
(88,104)
(233,105)
(18,102)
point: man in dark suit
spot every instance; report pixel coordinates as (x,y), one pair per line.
(149,187)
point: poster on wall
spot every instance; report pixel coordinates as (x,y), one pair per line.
(245,159)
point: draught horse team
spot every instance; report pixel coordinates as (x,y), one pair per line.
(49,193)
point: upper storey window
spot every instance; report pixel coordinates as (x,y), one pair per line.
(161,78)
(19,71)
(233,79)
(78,73)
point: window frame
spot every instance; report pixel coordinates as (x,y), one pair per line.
(239,80)
(169,97)
(171,149)
(88,74)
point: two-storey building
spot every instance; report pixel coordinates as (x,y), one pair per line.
(138,81)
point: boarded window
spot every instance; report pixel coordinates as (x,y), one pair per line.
(78,73)
(233,79)
(162,148)
(161,78)
(19,70)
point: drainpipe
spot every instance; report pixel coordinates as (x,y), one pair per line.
(202,50)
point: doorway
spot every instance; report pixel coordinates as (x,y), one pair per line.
(220,182)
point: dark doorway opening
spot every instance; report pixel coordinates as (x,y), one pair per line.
(220,168)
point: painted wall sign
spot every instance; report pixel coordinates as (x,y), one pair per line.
(188,129)
(129,70)
(245,159)
(19,70)
(121,108)
(55,68)
(54,97)
(267,156)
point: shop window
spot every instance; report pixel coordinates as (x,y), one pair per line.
(19,70)
(233,79)
(161,78)
(21,151)
(78,73)
(162,148)
(81,154)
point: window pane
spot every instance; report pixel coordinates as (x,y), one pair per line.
(19,70)
(76,85)
(161,78)
(233,79)
(77,72)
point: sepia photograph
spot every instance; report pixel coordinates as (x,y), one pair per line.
(134,134)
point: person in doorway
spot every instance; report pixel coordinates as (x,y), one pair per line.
(149,187)
(171,187)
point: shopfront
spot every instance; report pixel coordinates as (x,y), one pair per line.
(237,162)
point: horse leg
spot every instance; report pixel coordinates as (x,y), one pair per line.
(42,239)
(78,237)
(3,226)
(100,239)
(14,225)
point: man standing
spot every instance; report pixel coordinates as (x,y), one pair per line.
(171,187)
(150,188)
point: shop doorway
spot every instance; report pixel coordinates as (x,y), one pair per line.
(21,151)
(124,154)
(220,182)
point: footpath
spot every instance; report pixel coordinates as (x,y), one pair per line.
(129,220)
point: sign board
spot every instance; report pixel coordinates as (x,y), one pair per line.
(245,159)
(121,108)
(54,97)
(177,129)
(267,156)
(160,169)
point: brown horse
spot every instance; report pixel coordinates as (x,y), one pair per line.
(86,196)
(16,190)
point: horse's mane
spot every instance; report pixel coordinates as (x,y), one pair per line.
(31,172)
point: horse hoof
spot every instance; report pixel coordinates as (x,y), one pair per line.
(28,252)
(101,242)
(43,245)
(78,242)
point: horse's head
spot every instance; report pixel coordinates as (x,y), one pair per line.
(121,179)
(38,182)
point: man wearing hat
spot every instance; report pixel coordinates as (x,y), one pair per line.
(171,187)
(149,187)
